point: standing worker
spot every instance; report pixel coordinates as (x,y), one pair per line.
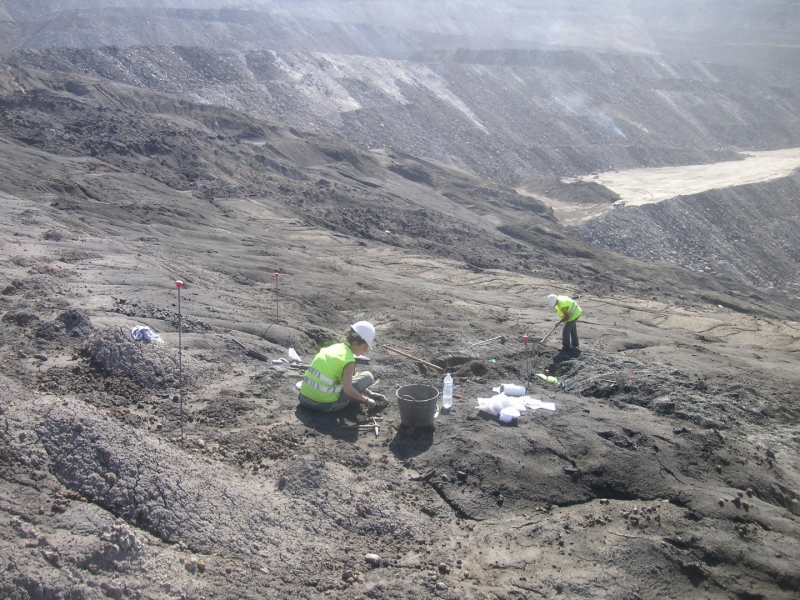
(569,311)
(330,383)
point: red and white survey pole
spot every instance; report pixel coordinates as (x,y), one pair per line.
(527,361)
(276,295)
(179,285)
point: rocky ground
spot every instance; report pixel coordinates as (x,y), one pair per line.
(187,468)
(511,116)
(667,470)
(747,233)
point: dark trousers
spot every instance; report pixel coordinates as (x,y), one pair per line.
(361,382)
(570,333)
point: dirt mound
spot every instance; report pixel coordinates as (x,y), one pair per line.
(73,322)
(20,318)
(149,363)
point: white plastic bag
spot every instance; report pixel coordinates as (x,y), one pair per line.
(508,414)
(496,404)
(293,355)
(143,332)
(489,406)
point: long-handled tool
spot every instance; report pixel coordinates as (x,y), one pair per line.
(499,337)
(551,331)
(419,360)
(250,352)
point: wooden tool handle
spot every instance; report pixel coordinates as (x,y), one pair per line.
(419,360)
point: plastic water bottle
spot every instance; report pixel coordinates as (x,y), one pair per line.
(447,392)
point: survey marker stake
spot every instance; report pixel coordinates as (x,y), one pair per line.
(276,295)
(179,285)
(527,361)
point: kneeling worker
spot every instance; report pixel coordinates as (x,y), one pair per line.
(569,311)
(330,383)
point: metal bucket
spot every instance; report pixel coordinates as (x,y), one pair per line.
(418,406)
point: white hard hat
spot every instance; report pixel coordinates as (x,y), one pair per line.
(365,331)
(552,299)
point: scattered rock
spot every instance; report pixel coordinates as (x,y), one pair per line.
(351,576)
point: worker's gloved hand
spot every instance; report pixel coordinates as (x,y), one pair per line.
(378,400)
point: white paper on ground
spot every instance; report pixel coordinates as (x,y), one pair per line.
(293,355)
(299,384)
(534,403)
(496,404)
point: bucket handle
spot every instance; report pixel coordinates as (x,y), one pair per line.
(422,382)
(409,398)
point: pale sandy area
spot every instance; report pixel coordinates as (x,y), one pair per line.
(645,186)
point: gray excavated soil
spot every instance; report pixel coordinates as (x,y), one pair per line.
(187,468)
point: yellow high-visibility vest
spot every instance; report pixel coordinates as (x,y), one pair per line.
(566,306)
(323,379)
